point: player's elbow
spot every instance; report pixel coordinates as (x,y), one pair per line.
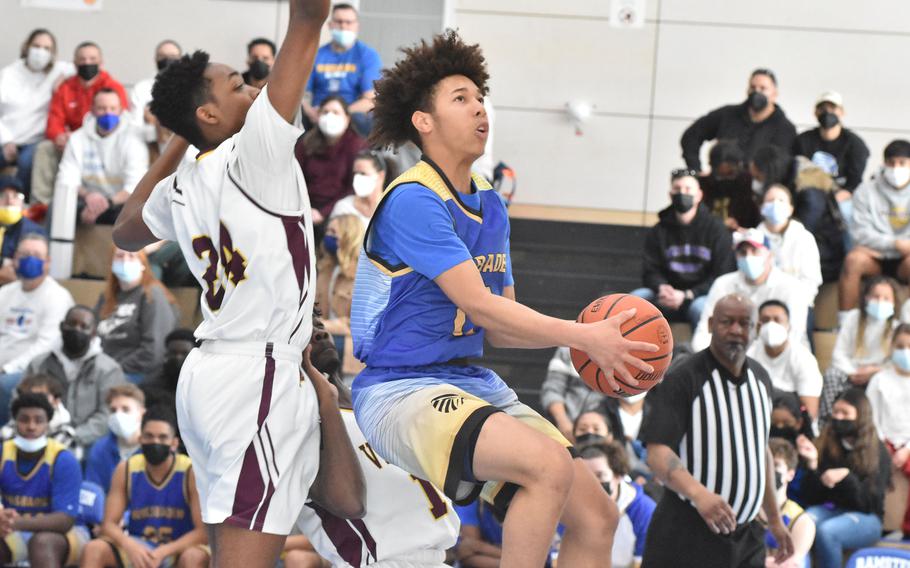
(352,505)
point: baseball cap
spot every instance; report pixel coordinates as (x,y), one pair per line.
(754,237)
(832,97)
(7,182)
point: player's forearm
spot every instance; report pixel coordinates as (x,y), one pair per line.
(510,324)
(339,486)
(670,470)
(130,232)
(52,522)
(312,10)
(769,501)
(112,531)
(363,104)
(811,404)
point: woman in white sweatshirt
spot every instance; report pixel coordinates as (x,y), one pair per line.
(889,394)
(793,246)
(863,342)
(26,86)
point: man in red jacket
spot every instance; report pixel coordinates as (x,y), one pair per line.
(69,105)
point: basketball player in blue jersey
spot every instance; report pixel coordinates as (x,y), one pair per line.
(39,481)
(433,281)
(158,490)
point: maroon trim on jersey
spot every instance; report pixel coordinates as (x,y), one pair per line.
(252,496)
(256,203)
(300,251)
(348,537)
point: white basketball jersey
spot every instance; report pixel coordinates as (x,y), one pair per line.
(404,515)
(241,216)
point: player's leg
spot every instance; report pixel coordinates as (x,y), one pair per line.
(859,262)
(98,554)
(590,518)
(510,451)
(47,550)
(195,557)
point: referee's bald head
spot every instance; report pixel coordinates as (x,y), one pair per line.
(731,326)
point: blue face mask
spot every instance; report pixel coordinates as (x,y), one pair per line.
(879,310)
(127,270)
(344,38)
(330,242)
(901,359)
(776,213)
(108,122)
(30,267)
(751,266)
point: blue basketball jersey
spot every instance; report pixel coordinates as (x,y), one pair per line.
(400,318)
(158,513)
(37,491)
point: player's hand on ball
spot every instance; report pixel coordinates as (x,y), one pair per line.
(610,351)
(716,512)
(784,541)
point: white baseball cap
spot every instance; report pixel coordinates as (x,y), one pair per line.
(832,97)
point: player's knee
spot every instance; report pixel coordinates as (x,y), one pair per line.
(92,553)
(193,558)
(558,473)
(45,543)
(856,263)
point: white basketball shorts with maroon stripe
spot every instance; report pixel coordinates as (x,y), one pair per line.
(251,427)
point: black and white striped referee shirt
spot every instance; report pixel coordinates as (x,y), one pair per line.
(718,425)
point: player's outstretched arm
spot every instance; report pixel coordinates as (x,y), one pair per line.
(511,324)
(294,61)
(130,231)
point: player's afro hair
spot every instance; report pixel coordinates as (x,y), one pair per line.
(409,85)
(179,90)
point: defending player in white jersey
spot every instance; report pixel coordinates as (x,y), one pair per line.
(241,216)
(409,523)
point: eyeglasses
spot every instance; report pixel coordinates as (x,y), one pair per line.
(682,172)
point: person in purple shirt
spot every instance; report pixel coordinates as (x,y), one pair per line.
(345,67)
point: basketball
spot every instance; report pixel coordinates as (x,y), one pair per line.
(648,325)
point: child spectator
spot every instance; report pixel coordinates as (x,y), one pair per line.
(801,526)
(564,395)
(126,407)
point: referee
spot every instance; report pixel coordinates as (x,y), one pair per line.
(707,438)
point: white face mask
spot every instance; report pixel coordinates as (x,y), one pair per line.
(364,185)
(897,177)
(123,425)
(30,446)
(757,186)
(38,58)
(773,334)
(636,397)
(332,124)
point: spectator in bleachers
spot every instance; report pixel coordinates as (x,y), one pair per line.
(836,149)
(862,342)
(790,421)
(153,493)
(161,388)
(370,175)
(85,372)
(103,162)
(770,165)
(609,464)
(39,481)
(889,397)
(794,248)
(125,407)
(757,122)
(727,189)
(591,427)
(60,427)
(260,56)
(881,226)
(141,118)
(800,525)
(849,469)
(326,156)
(12,225)
(564,395)
(135,314)
(684,253)
(26,86)
(759,280)
(69,105)
(790,364)
(31,309)
(345,67)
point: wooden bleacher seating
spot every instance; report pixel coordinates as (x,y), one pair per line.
(86,292)
(92,251)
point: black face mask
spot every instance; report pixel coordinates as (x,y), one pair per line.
(844,428)
(682,203)
(607,487)
(163,63)
(778,480)
(828,120)
(589,438)
(784,432)
(87,72)
(155,454)
(75,342)
(259,70)
(757,101)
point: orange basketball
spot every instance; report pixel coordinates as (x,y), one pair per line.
(648,325)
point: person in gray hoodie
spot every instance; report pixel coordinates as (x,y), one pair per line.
(881,226)
(78,362)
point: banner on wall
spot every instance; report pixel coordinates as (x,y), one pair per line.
(627,13)
(80,5)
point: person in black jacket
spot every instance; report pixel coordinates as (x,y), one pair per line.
(684,253)
(848,473)
(727,188)
(754,123)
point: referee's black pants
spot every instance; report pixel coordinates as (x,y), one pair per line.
(679,538)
